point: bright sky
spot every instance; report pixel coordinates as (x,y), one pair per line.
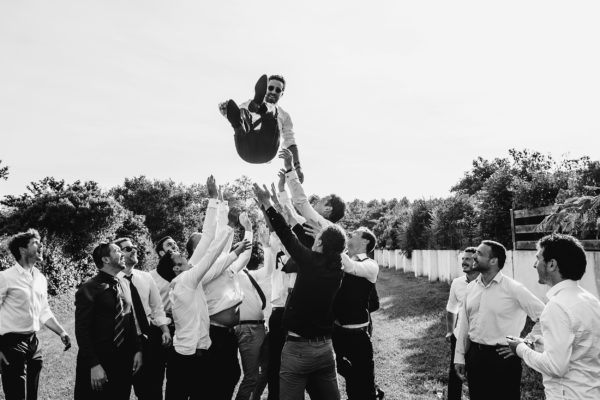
(388,98)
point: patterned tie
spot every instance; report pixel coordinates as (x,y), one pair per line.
(138,308)
(119,331)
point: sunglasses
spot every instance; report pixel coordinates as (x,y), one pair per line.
(276,89)
(129,249)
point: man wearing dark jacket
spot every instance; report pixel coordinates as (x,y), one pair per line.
(307,358)
(109,346)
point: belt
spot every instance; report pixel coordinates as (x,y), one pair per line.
(222,328)
(357,329)
(291,338)
(252,322)
(487,347)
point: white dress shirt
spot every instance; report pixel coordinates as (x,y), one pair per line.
(281,283)
(286,127)
(458,288)
(190,311)
(150,296)
(251,308)
(367,268)
(301,202)
(570,358)
(492,312)
(23,300)
(164,287)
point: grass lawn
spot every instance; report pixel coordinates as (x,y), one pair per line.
(411,355)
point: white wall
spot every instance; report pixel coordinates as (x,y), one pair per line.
(444,265)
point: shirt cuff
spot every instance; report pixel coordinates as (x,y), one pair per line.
(291,175)
(45,317)
(521,349)
(213,202)
(160,321)
(459,358)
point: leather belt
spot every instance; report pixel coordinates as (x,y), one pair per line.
(252,322)
(291,338)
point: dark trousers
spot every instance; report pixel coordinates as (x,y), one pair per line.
(354,359)
(148,382)
(454,382)
(21,376)
(118,366)
(186,376)
(276,340)
(257,146)
(491,377)
(224,367)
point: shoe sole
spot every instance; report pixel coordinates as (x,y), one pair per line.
(260,89)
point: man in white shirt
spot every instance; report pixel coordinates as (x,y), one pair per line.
(351,338)
(23,309)
(569,358)
(153,324)
(458,289)
(495,306)
(251,331)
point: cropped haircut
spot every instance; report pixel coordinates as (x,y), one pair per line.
(568,253)
(498,251)
(120,240)
(366,233)
(338,208)
(333,240)
(278,78)
(470,249)
(102,250)
(159,245)
(165,266)
(21,240)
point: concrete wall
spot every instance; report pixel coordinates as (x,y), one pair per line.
(444,265)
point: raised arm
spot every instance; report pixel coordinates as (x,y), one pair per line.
(209,226)
(365,269)
(244,258)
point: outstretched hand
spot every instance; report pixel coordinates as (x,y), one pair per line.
(288,158)
(262,195)
(281,182)
(264,235)
(245,222)
(211,186)
(242,246)
(311,228)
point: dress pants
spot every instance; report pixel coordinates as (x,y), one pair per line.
(257,146)
(186,376)
(224,368)
(308,364)
(118,366)
(354,359)
(21,376)
(454,382)
(276,339)
(148,382)
(490,376)
(250,342)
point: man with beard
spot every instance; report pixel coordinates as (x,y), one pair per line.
(151,322)
(110,350)
(495,306)
(457,294)
(260,144)
(570,358)
(23,308)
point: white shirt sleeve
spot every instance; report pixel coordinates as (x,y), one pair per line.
(453,304)
(158,315)
(528,302)
(268,264)
(285,200)
(244,258)
(45,312)
(198,272)
(365,269)
(287,129)
(300,200)
(558,344)
(463,334)
(209,228)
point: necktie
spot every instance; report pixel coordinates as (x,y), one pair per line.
(138,308)
(119,330)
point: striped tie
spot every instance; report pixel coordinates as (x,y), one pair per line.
(119,331)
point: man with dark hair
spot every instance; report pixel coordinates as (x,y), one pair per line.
(351,338)
(569,360)
(328,210)
(110,349)
(458,289)
(494,307)
(165,244)
(152,323)
(23,308)
(259,123)
(307,359)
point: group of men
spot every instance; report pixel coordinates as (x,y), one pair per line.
(486,314)
(189,321)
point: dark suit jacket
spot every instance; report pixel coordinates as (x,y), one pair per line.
(95,307)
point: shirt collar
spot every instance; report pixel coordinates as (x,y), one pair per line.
(106,277)
(22,270)
(359,256)
(567,283)
(497,279)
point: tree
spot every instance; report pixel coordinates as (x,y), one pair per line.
(3,171)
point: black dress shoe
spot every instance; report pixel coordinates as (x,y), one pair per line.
(233,114)
(260,90)
(380,393)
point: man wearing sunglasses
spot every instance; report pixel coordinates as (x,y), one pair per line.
(257,139)
(151,322)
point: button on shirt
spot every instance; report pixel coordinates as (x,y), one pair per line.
(458,289)
(570,361)
(492,312)
(150,296)
(23,300)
